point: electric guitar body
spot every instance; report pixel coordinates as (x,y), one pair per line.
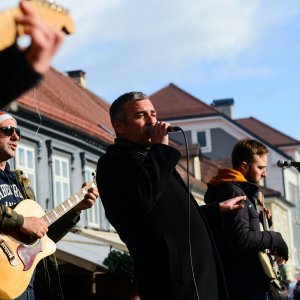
(270,266)
(268,261)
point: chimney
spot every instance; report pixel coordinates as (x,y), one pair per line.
(78,76)
(224,106)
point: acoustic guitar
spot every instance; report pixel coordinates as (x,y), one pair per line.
(52,14)
(19,255)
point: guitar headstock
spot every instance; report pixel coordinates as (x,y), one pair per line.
(93,183)
(54,15)
(51,13)
(260,198)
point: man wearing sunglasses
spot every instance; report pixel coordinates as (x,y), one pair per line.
(45,284)
(21,69)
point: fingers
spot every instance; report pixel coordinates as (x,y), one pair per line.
(44,39)
(161,127)
(268,213)
(238,202)
(93,193)
(280,260)
(159,133)
(239,198)
(89,199)
(34,226)
(232,204)
(84,184)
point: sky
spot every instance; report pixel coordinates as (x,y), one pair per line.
(212,49)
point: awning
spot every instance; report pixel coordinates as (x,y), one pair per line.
(111,238)
(88,248)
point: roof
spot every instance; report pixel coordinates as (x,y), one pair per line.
(267,133)
(171,102)
(59,98)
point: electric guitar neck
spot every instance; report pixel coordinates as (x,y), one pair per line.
(52,14)
(267,259)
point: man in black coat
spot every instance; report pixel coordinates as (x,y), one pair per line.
(147,202)
(240,238)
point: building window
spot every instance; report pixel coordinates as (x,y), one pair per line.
(294,197)
(293,192)
(25,161)
(93,214)
(203,138)
(61,179)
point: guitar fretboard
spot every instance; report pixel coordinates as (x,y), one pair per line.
(53,14)
(57,212)
(261,202)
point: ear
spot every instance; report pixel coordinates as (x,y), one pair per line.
(118,126)
(244,167)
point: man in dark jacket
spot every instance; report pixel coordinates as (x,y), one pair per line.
(240,238)
(21,69)
(148,203)
(14,188)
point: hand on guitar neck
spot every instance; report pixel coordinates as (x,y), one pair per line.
(37,227)
(44,39)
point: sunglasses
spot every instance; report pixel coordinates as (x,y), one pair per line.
(9,130)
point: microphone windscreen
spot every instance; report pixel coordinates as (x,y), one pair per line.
(173,128)
(280,163)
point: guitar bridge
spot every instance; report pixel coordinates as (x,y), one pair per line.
(9,253)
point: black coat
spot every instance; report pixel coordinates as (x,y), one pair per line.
(147,202)
(240,238)
(16,75)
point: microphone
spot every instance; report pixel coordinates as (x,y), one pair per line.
(173,128)
(282,163)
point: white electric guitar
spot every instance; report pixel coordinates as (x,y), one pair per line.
(267,259)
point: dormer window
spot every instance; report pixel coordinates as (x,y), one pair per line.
(204,140)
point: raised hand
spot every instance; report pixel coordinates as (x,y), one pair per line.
(232,204)
(44,39)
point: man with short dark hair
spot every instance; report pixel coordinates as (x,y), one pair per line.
(240,239)
(147,202)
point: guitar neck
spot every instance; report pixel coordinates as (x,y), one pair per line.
(261,202)
(53,215)
(52,14)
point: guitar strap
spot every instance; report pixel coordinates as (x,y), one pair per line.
(27,190)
